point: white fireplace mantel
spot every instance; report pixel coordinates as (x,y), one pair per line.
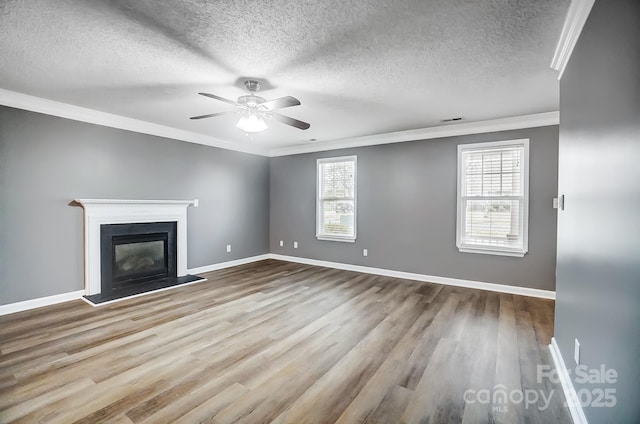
(118,211)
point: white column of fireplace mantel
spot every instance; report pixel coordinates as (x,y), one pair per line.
(118,211)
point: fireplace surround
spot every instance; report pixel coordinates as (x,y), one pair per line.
(147,246)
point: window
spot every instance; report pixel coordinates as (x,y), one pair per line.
(493,197)
(336,199)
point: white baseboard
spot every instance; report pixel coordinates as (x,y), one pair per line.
(573,403)
(11,308)
(228,264)
(39,302)
(502,288)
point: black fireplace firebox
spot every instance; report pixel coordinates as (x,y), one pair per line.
(133,255)
(136,254)
(139,258)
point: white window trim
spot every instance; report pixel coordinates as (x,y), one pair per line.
(345,239)
(493,250)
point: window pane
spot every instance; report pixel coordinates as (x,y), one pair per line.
(474,185)
(512,173)
(493,222)
(493,172)
(491,184)
(337,179)
(337,217)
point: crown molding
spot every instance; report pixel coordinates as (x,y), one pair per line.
(479,127)
(91,116)
(573,23)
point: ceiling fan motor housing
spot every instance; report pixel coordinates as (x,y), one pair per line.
(250,100)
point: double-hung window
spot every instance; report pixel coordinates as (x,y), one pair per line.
(336,199)
(493,197)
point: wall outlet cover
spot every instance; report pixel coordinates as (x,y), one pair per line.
(295,244)
(365,252)
(281,243)
(228,248)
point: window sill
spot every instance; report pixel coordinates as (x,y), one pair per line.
(342,239)
(498,252)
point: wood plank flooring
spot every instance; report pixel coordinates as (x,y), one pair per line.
(284,343)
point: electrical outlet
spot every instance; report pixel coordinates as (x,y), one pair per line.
(281,243)
(295,244)
(365,252)
(576,352)
(228,248)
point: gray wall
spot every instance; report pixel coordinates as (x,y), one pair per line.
(598,288)
(45,162)
(407,210)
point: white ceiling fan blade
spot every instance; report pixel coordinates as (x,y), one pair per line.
(280,103)
(288,120)
(222,99)
(211,115)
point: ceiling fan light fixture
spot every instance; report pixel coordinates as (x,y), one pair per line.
(251,123)
(256,109)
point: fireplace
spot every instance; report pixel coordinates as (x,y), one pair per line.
(136,254)
(132,247)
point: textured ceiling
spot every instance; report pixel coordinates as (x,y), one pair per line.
(359,67)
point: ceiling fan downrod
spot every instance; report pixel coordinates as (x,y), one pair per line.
(252,85)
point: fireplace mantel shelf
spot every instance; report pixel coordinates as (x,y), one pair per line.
(84,202)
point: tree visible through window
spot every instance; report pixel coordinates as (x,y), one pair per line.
(493,197)
(336,201)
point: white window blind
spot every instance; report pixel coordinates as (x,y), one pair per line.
(336,199)
(493,197)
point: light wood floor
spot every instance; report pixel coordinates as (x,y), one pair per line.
(280,342)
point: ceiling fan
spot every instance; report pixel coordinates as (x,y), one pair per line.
(254,110)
